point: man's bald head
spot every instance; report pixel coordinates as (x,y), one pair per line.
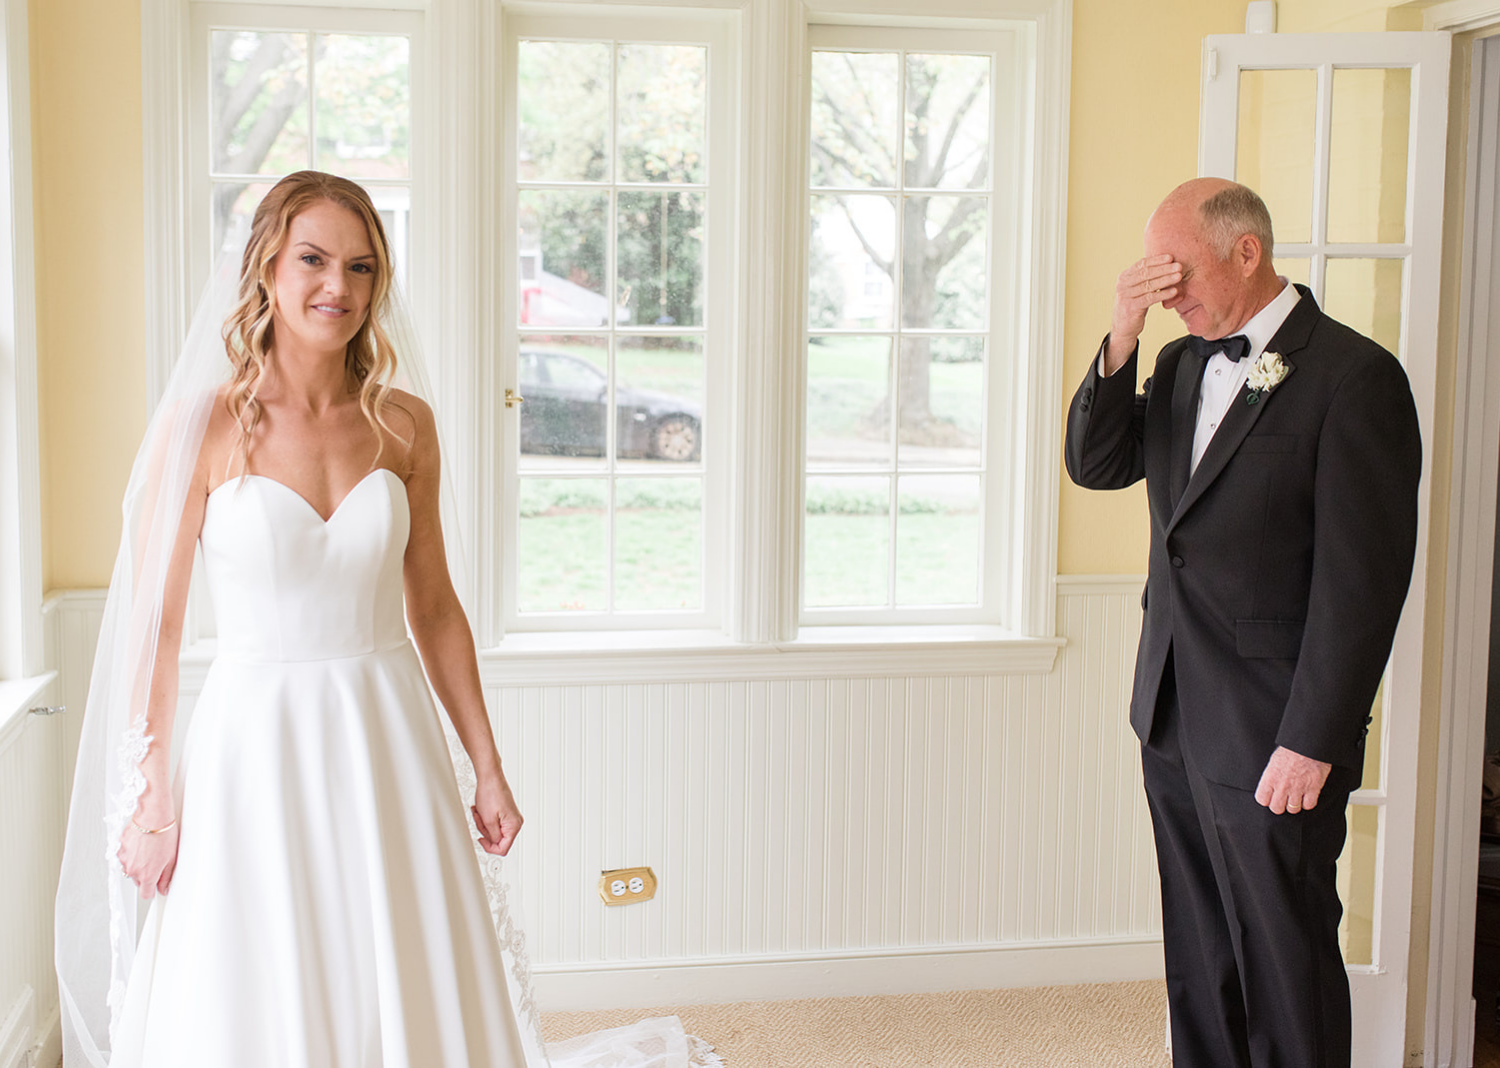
(1224,211)
(1219,233)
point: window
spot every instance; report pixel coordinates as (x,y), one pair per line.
(328,91)
(911,253)
(721,350)
(617,182)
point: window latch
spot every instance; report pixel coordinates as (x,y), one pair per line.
(512,398)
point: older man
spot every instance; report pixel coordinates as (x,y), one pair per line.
(1281,456)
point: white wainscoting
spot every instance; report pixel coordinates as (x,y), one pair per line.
(833,836)
(36,775)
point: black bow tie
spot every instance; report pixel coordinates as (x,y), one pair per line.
(1234,348)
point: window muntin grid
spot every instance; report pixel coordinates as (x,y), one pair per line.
(612,329)
(282,100)
(902,196)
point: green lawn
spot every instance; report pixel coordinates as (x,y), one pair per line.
(658,553)
(847,559)
(848,379)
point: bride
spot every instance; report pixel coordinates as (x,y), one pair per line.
(314,900)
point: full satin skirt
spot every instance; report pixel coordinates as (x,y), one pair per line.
(326,910)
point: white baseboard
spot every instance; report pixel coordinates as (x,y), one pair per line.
(16,1031)
(620,986)
(47,1052)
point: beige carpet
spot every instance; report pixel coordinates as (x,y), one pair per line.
(1112,1025)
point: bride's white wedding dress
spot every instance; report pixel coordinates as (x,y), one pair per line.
(326,910)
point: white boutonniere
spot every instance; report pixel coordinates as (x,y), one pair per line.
(1265,375)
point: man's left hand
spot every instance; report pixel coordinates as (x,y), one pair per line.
(1291,782)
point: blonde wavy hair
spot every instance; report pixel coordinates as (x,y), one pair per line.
(249,335)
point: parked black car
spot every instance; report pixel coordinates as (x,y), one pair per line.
(567,407)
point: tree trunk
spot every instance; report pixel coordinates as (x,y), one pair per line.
(918,297)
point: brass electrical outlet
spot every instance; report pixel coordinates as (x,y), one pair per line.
(626,886)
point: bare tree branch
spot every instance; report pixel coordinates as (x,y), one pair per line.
(941,163)
(955,234)
(981,173)
(269,54)
(268,126)
(886,265)
(857,139)
(869,104)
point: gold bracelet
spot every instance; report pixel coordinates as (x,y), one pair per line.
(157,830)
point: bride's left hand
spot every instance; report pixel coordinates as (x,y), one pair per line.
(496,815)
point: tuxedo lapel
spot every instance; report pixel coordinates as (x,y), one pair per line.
(1186,386)
(1242,416)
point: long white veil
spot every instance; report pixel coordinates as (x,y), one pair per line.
(99,909)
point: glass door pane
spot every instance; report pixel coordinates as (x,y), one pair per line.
(1278,112)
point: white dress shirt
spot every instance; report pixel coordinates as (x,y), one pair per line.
(1223,378)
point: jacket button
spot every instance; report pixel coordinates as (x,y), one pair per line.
(1178,561)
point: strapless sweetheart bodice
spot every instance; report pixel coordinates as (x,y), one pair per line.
(288,585)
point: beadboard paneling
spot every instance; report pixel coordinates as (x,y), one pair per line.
(36,771)
(808,818)
(811,833)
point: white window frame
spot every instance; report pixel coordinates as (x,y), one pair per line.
(457,188)
(714,30)
(21,643)
(1006,335)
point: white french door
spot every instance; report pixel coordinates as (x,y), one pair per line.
(1344,136)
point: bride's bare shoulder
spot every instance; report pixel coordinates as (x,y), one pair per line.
(220,439)
(411,419)
(410,416)
(413,407)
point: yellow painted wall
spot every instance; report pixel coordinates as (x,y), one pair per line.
(1133,136)
(86,144)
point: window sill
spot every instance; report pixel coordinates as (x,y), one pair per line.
(16,700)
(618,657)
(539,659)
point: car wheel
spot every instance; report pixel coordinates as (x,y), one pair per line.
(675,437)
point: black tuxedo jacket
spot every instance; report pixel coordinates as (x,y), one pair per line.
(1278,570)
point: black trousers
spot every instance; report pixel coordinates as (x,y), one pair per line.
(1250,914)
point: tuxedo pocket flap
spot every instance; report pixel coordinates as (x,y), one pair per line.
(1270,443)
(1268,638)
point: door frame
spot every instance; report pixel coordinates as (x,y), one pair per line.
(1448,1039)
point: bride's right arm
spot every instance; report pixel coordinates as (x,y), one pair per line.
(148,846)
